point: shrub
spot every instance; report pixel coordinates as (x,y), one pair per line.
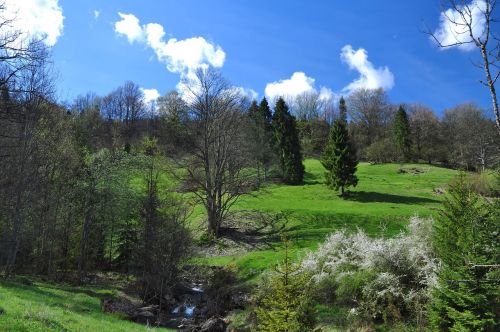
(381,279)
(382,151)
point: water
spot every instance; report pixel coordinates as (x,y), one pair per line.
(189,310)
(176,310)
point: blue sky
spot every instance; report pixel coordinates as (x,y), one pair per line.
(265,42)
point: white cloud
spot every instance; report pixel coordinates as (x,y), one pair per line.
(96,14)
(370,77)
(35,19)
(297,84)
(449,33)
(181,56)
(129,27)
(326,94)
(247,92)
(150,95)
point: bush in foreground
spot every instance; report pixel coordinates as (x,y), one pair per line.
(380,280)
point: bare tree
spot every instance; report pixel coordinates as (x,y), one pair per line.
(426,134)
(370,114)
(215,169)
(470,137)
(465,21)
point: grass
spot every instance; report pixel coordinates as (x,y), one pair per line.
(39,306)
(380,205)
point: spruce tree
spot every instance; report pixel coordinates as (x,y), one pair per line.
(342,110)
(465,241)
(339,159)
(261,135)
(265,114)
(287,306)
(288,144)
(402,134)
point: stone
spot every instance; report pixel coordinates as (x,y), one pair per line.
(214,324)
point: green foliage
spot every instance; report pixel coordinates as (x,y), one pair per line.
(339,159)
(287,305)
(402,134)
(261,136)
(342,111)
(382,151)
(465,239)
(288,144)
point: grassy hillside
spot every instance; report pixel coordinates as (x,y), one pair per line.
(40,306)
(381,205)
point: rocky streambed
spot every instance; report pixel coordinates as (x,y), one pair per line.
(187,306)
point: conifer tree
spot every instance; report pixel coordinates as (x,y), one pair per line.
(288,144)
(465,240)
(402,134)
(261,135)
(339,159)
(286,307)
(342,110)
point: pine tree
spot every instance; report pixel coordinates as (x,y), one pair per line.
(288,144)
(266,114)
(286,307)
(342,110)
(262,136)
(402,134)
(465,241)
(339,159)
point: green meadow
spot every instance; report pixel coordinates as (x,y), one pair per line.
(36,306)
(380,205)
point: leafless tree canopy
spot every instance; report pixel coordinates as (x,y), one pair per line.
(464,26)
(216,169)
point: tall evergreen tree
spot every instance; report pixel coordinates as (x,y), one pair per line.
(288,144)
(402,133)
(342,110)
(465,240)
(266,114)
(339,159)
(262,147)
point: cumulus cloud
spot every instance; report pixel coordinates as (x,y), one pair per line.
(453,30)
(150,95)
(251,94)
(129,27)
(326,94)
(180,56)
(297,84)
(183,56)
(96,14)
(370,77)
(35,19)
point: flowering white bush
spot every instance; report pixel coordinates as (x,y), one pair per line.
(385,279)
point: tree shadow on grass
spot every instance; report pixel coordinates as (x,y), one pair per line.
(374,197)
(310,178)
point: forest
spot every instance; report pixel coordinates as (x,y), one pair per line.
(206,210)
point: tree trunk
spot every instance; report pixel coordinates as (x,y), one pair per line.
(491,86)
